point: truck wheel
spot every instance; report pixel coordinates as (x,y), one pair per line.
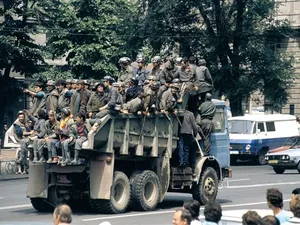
(145,190)
(278,170)
(207,188)
(57,196)
(41,205)
(119,196)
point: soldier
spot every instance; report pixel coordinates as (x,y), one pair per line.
(38,132)
(151,100)
(79,99)
(81,136)
(51,96)
(114,104)
(69,84)
(204,82)
(38,98)
(134,105)
(188,132)
(167,75)
(51,139)
(186,75)
(74,85)
(97,100)
(87,85)
(207,112)
(156,63)
(126,70)
(193,61)
(169,99)
(67,133)
(134,89)
(135,64)
(64,98)
(141,74)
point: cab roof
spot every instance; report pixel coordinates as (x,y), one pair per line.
(262,118)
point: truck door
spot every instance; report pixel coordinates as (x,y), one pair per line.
(220,137)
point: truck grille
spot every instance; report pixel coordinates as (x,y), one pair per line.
(274,157)
(236,147)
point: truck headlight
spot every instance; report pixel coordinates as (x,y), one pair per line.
(248,147)
(266,157)
(285,157)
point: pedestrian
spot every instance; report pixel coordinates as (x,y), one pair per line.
(251,218)
(212,213)
(295,209)
(193,206)
(182,217)
(275,203)
(207,112)
(296,191)
(62,215)
(269,220)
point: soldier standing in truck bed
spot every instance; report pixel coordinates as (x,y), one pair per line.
(156,67)
(204,82)
(141,73)
(125,71)
(207,112)
(166,76)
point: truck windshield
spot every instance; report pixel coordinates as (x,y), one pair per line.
(240,126)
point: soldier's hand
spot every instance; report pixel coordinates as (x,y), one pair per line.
(175,112)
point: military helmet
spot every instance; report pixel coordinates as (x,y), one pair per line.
(155,86)
(178,59)
(151,77)
(156,59)
(65,111)
(61,82)
(202,62)
(176,81)
(175,85)
(134,81)
(208,96)
(109,79)
(140,60)
(86,82)
(74,81)
(123,60)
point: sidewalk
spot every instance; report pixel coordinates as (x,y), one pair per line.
(4,177)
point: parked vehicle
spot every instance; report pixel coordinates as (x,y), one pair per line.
(252,136)
(285,160)
(290,142)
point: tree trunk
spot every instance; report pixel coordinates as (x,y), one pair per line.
(236,106)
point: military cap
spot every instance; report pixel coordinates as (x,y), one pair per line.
(202,62)
(156,59)
(68,81)
(50,83)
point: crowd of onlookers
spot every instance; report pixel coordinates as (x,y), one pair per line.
(190,212)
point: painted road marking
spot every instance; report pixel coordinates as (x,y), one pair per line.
(1,197)
(169,211)
(16,206)
(259,185)
(235,180)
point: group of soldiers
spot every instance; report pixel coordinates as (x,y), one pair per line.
(138,89)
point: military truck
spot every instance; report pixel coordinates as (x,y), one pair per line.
(130,162)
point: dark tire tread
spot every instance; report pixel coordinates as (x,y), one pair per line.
(41,205)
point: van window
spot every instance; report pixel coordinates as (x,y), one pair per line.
(219,120)
(240,126)
(270,126)
(261,127)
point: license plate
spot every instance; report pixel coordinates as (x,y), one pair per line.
(234,152)
(273,161)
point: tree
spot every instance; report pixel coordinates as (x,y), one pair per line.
(88,33)
(18,51)
(235,37)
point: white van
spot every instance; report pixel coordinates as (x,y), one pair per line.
(254,135)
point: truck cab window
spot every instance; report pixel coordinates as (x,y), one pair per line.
(261,127)
(219,121)
(270,126)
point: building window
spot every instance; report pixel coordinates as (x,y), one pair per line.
(292,109)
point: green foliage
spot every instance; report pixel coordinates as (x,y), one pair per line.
(88,33)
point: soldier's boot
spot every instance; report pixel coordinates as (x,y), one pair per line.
(35,159)
(75,161)
(68,158)
(42,159)
(49,157)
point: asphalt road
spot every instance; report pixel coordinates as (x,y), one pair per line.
(246,190)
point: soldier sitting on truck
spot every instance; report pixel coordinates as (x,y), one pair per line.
(134,90)
(81,136)
(169,99)
(134,105)
(151,101)
(97,100)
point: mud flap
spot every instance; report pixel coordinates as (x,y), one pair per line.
(38,181)
(101,177)
(163,172)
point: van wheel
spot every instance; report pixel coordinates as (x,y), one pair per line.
(207,188)
(278,170)
(57,195)
(41,205)
(261,159)
(145,190)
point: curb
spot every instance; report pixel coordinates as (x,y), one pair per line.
(18,177)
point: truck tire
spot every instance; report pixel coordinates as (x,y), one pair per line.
(119,199)
(145,190)
(278,170)
(41,205)
(54,197)
(261,157)
(207,187)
